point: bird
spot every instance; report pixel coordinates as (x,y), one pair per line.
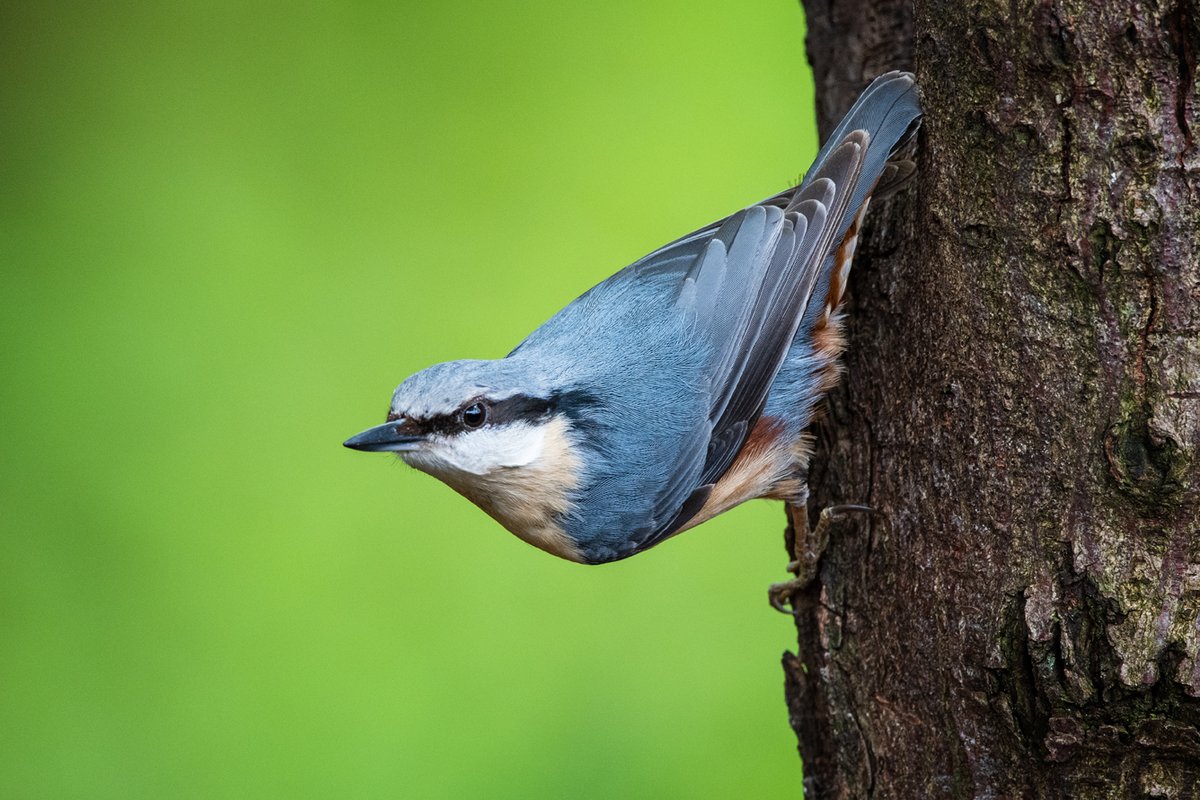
(678,388)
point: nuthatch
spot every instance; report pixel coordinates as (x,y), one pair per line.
(678,388)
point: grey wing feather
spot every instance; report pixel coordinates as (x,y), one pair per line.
(748,290)
(888,109)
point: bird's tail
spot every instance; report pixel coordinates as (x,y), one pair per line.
(889,111)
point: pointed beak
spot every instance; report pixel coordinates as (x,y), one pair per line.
(388,437)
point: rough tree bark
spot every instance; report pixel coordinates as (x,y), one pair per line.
(1021,618)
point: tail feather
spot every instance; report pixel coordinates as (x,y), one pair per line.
(896,176)
(889,112)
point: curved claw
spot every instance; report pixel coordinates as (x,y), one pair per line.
(837,512)
(780,595)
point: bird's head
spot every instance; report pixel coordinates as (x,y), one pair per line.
(496,433)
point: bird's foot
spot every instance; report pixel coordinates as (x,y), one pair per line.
(780,594)
(810,545)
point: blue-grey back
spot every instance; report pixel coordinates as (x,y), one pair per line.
(628,370)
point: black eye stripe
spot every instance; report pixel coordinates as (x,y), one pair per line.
(518,408)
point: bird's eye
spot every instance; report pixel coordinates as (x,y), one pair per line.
(474,415)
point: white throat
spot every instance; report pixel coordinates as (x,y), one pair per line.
(482,451)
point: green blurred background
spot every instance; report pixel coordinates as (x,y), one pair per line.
(226,233)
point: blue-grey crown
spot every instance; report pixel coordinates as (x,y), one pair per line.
(443,388)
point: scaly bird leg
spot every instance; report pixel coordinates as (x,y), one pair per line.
(808,547)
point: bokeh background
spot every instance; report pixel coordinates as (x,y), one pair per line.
(227,231)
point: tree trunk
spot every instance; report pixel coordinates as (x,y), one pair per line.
(1021,616)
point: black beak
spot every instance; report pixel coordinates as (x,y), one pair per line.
(388,437)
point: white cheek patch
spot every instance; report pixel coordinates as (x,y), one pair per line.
(486,449)
(522,474)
